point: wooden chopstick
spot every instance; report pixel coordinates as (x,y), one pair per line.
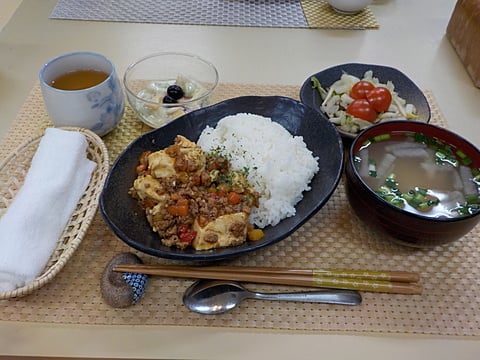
(280,277)
(400,276)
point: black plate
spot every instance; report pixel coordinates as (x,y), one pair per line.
(405,88)
(127,219)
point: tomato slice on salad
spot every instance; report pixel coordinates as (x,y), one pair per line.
(361,89)
(380,98)
(362,109)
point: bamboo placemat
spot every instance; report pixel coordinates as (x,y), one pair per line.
(253,13)
(333,238)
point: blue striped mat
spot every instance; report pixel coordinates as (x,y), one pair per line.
(255,13)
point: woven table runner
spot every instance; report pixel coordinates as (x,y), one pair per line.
(254,13)
(333,238)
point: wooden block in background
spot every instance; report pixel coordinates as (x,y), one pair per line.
(463,31)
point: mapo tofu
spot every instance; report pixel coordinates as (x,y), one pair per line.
(193,198)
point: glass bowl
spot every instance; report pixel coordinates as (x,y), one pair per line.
(152,86)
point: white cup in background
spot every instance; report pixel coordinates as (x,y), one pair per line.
(349,7)
(89,96)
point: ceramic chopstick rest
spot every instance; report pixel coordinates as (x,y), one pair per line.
(121,290)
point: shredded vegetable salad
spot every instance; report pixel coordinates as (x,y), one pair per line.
(353,103)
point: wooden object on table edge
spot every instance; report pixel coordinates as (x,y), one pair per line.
(463,31)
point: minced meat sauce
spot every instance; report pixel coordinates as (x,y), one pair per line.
(193,198)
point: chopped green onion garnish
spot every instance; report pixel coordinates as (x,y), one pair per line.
(467,161)
(420,138)
(398,202)
(472,199)
(381,137)
(463,157)
(422,191)
(461,154)
(391,182)
(423,206)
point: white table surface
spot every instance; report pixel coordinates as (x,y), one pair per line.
(411,38)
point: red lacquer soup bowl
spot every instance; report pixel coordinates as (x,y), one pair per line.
(409,216)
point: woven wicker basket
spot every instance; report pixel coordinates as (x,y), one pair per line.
(12,174)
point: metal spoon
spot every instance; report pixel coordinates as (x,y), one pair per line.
(218,296)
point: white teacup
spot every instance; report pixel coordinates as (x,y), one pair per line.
(91,97)
(349,7)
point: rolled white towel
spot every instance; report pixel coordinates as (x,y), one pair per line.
(31,227)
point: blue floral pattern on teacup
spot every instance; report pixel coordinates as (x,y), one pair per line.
(111,103)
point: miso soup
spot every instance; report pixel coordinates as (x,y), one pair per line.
(420,174)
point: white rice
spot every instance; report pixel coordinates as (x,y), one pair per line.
(280,166)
